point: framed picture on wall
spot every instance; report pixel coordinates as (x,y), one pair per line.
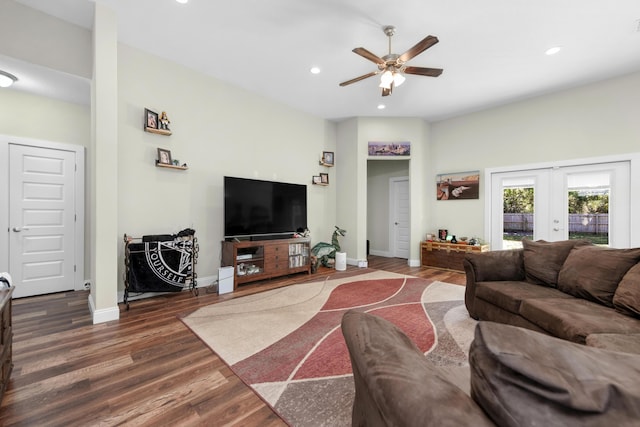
(164,156)
(458,186)
(150,119)
(327,158)
(400,148)
(324,178)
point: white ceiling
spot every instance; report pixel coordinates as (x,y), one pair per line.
(492,51)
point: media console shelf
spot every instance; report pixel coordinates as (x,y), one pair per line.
(264,259)
(449,256)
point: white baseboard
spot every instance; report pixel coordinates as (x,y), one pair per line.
(414,263)
(104,314)
(385,254)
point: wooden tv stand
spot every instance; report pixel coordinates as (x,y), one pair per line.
(264,259)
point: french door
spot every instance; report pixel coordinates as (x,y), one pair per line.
(558,203)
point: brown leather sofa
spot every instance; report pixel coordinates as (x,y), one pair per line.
(518,378)
(569,289)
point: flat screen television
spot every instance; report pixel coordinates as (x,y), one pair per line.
(263,209)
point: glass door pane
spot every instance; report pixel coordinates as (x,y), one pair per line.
(593,204)
(588,207)
(517,207)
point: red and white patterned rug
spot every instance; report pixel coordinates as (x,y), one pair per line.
(287,343)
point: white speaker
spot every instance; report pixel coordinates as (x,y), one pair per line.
(225,280)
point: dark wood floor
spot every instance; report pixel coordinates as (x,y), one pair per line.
(146,368)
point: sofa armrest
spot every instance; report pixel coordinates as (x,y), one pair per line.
(491,267)
(395,383)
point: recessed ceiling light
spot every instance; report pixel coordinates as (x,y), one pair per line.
(315,70)
(553,50)
(7,79)
(381,106)
(182,1)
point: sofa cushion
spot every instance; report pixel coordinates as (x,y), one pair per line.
(496,265)
(628,343)
(593,272)
(396,384)
(543,260)
(508,295)
(524,378)
(574,318)
(627,297)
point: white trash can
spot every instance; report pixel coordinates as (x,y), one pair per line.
(341,261)
(225,280)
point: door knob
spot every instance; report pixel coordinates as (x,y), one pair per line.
(18,229)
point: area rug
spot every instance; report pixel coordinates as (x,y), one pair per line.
(287,343)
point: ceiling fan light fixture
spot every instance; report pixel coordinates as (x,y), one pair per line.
(392,67)
(7,79)
(398,79)
(386,78)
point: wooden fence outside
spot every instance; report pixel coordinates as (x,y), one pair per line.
(578,223)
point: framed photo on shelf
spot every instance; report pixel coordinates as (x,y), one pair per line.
(164,157)
(324,178)
(150,119)
(328,158)
(316,179)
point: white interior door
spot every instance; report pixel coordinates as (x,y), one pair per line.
(41,219)
(400,217)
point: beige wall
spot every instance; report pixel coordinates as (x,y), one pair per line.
(32,116)
(353,138)
(218,130)
(33,36)
(589,121)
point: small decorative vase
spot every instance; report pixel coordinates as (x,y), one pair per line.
(454,240)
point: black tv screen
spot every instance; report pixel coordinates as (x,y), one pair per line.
(262,208)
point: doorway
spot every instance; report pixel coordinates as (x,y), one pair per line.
(590,201)
(388,203)
(44,249)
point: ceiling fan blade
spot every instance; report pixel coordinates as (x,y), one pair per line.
(423,45)
(368,55)
(387,92)
(357,79)
(430,72)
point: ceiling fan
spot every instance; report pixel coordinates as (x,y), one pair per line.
(392,66)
